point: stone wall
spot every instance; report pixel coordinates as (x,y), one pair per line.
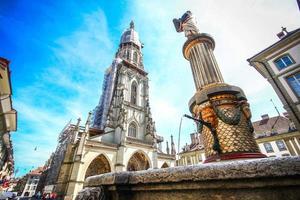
(268,178)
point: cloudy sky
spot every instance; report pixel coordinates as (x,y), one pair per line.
(59,51)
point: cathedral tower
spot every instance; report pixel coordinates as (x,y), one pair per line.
(123,115)
(124,105)
(121,134)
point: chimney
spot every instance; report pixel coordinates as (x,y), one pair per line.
(265,117)
(200,139)
(282,33)
(286,114)
(192,138)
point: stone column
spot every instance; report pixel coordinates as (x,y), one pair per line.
(224,106)
(198,49)
(120,165)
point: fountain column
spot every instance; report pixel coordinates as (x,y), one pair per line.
(224,106)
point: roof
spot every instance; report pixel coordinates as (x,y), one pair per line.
(194,147)
(262,128)
(131,36)
(132,66)
(5,80)
(4,61)
(289,34)
(37,171)
(166,156)
(272,126)
(197,145)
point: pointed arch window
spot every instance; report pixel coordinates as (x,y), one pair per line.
(132,130)
(133,98)
(135,57)
(127,55)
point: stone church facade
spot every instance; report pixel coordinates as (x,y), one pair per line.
(120,134)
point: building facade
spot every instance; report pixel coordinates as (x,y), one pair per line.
(277,136)
(119,135)
(8,121)
(279,64)
(192,153)
(19,188)
(66,140)
(33,179)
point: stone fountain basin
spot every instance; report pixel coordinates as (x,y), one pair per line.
(266,178)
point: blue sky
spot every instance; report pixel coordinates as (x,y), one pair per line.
(59,51)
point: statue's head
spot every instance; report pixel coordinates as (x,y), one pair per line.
(178,22)
(187,24)
(188,14)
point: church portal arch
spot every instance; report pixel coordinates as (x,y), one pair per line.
(99,165)
(138,161)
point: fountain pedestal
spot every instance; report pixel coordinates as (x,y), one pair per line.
(224,106)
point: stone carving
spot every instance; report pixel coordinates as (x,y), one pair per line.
(99,165)
(122,114)
(230,116)
(227,109)
(91,193)
(130,75)
(138,78)
(186,23)
(150,124)
(150,128)
(117,118)
(231,119)
(109,122)
(245,107)
(138,162)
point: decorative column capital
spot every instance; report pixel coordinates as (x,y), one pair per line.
(197,39)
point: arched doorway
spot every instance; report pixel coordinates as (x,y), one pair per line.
(99,165)
(138,161)
(165,165)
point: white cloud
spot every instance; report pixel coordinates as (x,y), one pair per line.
(240,29)
(68,89)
